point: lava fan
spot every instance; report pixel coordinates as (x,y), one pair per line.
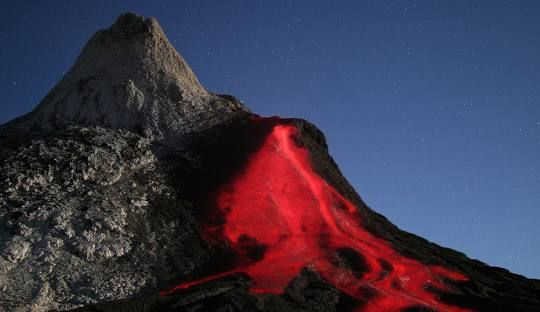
(281,217)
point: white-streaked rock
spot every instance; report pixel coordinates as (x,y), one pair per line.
(130,76)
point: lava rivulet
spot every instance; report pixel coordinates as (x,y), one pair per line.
(281,216)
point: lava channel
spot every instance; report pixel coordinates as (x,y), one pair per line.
(282,211)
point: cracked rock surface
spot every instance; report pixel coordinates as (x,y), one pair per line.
(86,215)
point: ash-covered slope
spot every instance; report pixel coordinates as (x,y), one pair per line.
(110,203)
(130,76)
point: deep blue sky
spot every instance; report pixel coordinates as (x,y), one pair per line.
(431,108)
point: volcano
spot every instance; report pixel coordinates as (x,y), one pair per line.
(132,188)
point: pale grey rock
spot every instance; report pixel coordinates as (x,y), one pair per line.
(130,76)
(15,249)
(88,214)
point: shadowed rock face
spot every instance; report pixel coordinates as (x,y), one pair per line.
(130,76)
(155,187)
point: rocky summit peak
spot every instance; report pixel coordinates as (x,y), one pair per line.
(130,76)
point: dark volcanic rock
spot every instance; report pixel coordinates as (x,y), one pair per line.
(105,189)
(489,288)
(88,214)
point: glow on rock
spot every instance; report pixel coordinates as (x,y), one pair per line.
(281,216)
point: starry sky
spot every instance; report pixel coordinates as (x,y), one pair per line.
(430,108)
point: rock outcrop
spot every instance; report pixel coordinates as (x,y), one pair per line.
(80,175)
(130,76)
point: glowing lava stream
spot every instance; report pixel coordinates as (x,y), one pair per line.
(281,216)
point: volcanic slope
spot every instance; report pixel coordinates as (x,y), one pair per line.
(132,188)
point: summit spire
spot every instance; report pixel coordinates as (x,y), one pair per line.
(129,75)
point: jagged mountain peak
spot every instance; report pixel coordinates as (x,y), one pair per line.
(136,48)
(130,76)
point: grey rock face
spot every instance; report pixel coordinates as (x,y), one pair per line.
(130,76)
(87,215)
(87,212)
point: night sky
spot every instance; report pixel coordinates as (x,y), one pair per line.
(430,108)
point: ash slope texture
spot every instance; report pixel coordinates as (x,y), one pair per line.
(104,188)
(130,76)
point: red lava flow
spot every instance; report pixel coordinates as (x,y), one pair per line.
(280,207)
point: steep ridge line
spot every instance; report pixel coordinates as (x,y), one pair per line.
(281,216)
